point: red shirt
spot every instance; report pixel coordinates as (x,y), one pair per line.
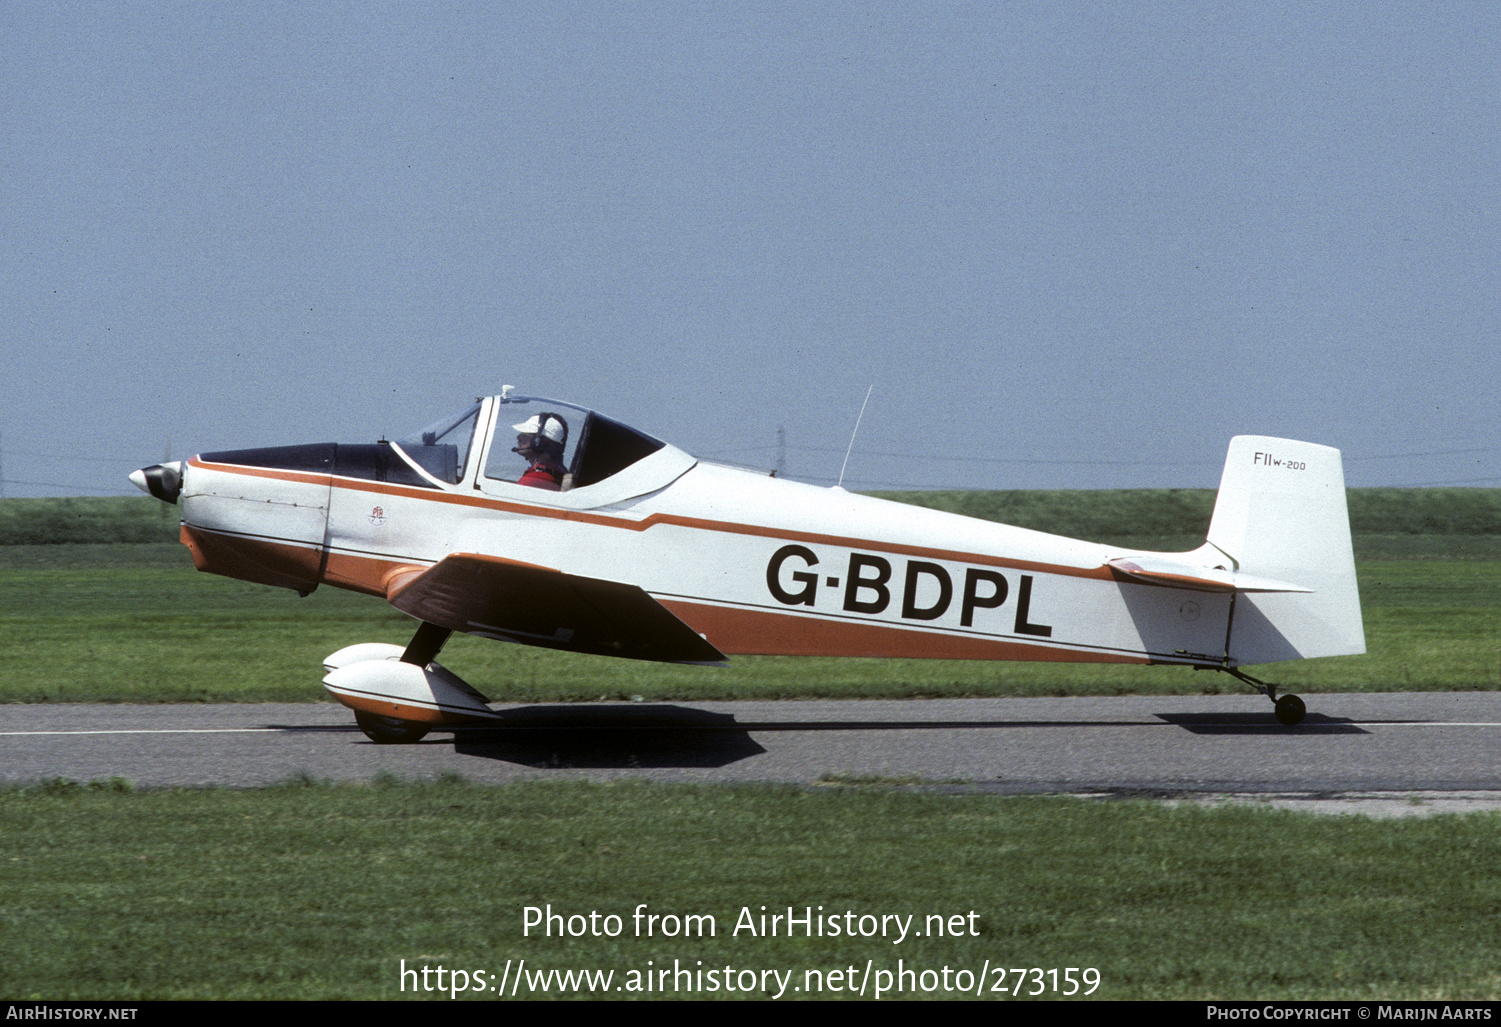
(543,475)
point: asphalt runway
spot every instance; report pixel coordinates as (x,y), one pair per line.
(1416,749)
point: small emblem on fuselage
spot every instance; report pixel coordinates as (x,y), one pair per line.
(376,516)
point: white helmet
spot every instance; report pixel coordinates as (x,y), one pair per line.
(549,426)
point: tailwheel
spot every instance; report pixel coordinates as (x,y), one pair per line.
(1290,710)
(389,730)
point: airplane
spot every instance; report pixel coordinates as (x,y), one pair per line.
(591,536)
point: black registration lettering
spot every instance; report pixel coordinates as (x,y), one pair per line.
(809,582)
(917,569)
(856,582)
(973,600)
(1023,608)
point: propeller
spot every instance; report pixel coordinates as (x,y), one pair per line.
(164,481)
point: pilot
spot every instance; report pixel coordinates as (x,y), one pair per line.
(540,441)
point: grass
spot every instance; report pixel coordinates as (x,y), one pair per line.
(314,891)
(83,520)
(157,630)
(136,623)
(311,891)
(118,615)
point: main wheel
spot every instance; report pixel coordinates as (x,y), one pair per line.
(1290,710)
(389,730)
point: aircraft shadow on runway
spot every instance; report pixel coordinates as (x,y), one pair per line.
(653,736)
(610,737)
(1260,724)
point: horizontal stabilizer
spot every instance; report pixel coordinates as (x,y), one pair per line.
(519,602)
(1156,570)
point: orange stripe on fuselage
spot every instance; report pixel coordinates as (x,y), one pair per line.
(740,632)
(368,574)
(1101,573)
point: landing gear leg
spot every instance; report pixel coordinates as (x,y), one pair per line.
(1290,709)
(426,644)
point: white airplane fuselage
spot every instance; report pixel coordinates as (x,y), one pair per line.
(756,564)
(657,555)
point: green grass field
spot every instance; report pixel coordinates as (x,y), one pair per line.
(317,891)
(322,891)
(136,623)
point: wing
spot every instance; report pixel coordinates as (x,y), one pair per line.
(520,602)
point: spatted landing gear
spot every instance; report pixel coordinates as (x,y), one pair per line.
(389,730)
(401,680)
(1290,710)
(423,648)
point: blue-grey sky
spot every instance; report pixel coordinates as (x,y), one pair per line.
(1069,244)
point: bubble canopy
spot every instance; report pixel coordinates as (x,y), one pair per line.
(477,449)
(595,447)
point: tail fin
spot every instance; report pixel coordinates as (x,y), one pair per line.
(1281,514)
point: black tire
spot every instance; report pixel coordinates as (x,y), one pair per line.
(1290,710)
(389,730)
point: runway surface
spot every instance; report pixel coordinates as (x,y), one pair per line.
(1443,744)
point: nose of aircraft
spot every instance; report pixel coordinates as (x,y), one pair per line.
(164,481)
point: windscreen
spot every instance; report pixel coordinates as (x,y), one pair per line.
(442,448)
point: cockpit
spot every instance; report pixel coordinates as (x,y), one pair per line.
(480,448)
(591,447)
